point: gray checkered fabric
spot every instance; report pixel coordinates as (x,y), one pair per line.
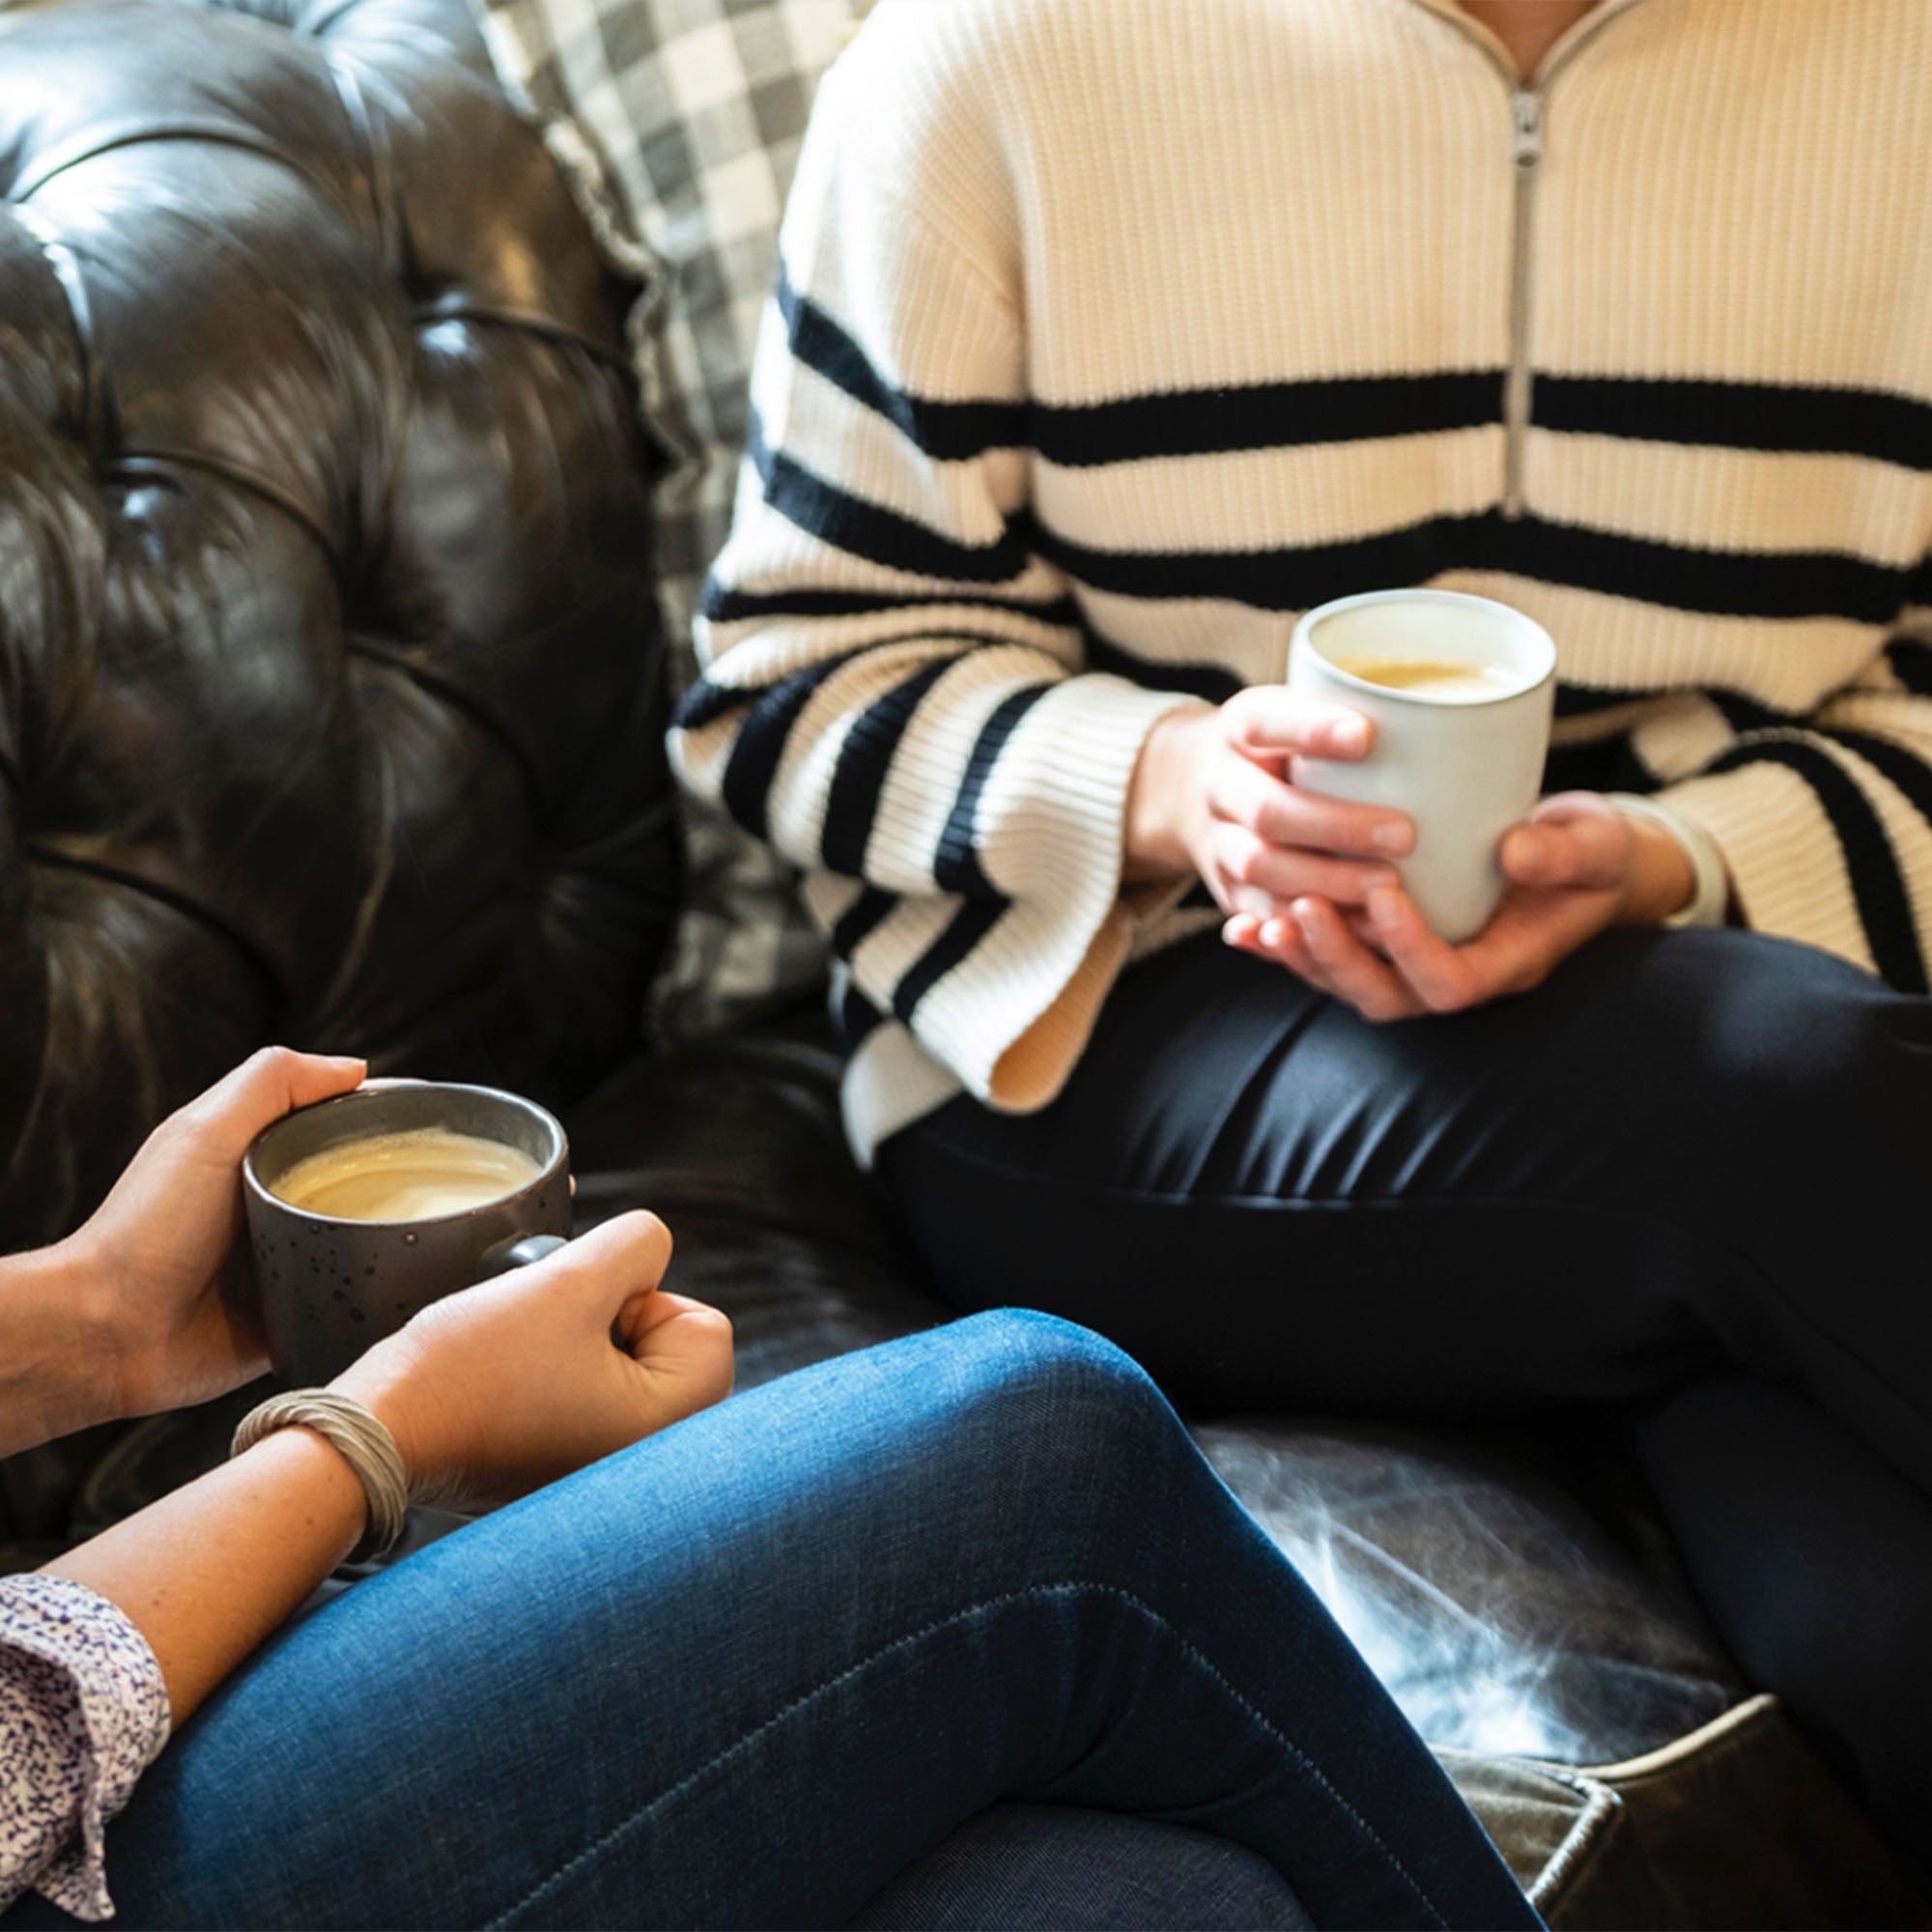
(679,121)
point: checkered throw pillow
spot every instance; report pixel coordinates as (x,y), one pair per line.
(678,121)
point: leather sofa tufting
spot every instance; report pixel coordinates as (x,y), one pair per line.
(331,709)
(330,696)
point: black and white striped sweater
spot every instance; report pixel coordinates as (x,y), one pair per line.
(1113,334)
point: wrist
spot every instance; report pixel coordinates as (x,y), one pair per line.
(1709,901)
(60,1355)
(128,1373)
(1662,880)
(383,1382)
(1161,796)
(358,1440)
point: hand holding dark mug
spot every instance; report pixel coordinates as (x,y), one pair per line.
(170,1310)
(493,1392)
(368,1208)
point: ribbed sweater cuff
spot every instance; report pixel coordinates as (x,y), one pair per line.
(1787,870)
(1015,1016)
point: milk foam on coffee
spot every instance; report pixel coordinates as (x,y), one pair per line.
(1449,683)
(406,1176)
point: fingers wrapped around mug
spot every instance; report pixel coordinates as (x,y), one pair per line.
(1269,843)
(1316,942)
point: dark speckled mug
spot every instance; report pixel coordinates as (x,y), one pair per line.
(329,1286)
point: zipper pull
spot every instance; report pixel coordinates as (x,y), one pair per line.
(1526,139)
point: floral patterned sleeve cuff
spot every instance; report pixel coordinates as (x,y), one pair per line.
(83,1713)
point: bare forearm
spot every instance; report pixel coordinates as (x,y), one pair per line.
(207,1574)
(56,1367)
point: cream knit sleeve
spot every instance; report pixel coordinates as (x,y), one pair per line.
(897,696)
(1826,822)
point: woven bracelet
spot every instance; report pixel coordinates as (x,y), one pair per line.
(363,1441)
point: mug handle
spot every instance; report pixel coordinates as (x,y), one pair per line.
(538,1247)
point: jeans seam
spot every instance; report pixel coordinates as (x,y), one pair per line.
(1191,1652)
(1396,1203)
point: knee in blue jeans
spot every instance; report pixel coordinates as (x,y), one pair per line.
(1020,1347)
(1053,1395)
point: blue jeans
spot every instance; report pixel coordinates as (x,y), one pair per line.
(751,1671)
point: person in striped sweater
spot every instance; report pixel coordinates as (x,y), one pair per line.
(1112,334)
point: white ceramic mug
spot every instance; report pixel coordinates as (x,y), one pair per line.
(1465,768)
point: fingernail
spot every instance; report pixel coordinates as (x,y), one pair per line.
(1305,916)
(1397,838)
(1349,734)
(1274,935)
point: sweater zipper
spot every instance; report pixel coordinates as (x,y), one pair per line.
(1526,152)
(1526,159)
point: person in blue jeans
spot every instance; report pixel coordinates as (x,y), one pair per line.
(778,1661)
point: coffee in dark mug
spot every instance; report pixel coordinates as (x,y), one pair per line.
(365,1208)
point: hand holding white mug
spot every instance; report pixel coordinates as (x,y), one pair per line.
(506,1387)
(1576,867)
(1211,795)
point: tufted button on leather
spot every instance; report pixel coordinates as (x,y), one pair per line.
(331,697)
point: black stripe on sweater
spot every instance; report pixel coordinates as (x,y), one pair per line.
(1894,761)
(1773,417)
(1911,662)
(1214,684)
(1744,713)
(858,778)
(955,866)
(1130,429)
(946,432)
(862,918)
(1878,885)
(722,605)
(1576,700)
(1781,418)
(705,702)
(1779,585)
(968,926)
(856,1017)
(881,536)
(1749,714)
(1264,416)
(1602,764)
(1906,771)
(761,743)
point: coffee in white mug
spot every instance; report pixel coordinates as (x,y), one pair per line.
(1446,683)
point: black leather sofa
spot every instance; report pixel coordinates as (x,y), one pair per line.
(331,711)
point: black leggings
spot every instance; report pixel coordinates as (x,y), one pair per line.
(1689,1175)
